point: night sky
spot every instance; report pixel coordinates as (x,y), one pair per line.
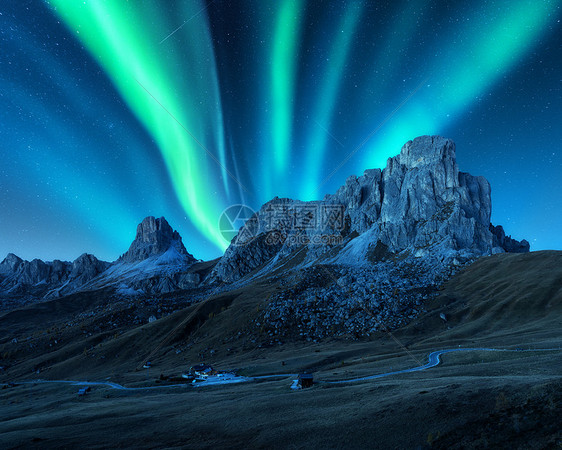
(111,111)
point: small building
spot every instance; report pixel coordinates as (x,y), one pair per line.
(83,391)
(305,380)
(202,370)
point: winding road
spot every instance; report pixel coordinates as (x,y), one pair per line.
(101,383)
(434,360)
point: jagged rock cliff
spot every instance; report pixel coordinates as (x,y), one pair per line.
(420,205)
(506,242)
(155,237)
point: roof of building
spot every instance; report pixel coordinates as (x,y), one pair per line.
(201,367)
(306,376)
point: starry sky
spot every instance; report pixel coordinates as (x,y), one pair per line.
(113,110)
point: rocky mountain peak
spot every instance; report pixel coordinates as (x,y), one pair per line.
(420,205)
(427,150)
(87,266)
(152,229)
(155,237)
(10,263)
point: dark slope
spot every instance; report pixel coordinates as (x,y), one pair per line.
(502,300)
(471,400)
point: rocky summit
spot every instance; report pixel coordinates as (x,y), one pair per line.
(155,237)
(420,205)
(368,257)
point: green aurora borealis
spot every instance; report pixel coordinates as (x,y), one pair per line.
(273,107)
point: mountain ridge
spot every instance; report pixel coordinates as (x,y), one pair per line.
(157,252)
(420,203)
(420,208)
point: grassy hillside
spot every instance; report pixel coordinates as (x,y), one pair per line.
(471,400)
(509,295)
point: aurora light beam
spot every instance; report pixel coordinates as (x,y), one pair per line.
(126,109)
(326,99)
(117,37)
(284,61)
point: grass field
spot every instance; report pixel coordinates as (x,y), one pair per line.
(471,400)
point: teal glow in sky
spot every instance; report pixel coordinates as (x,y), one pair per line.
(284,61)
(168,103)
(115,110)
(326,97)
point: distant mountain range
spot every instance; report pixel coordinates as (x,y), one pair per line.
(156,262)
(419,210)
